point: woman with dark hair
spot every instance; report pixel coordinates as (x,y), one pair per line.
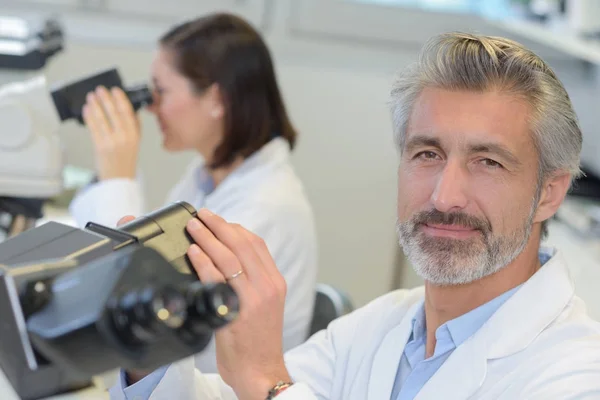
(215,92)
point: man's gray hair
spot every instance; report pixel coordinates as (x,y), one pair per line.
(461,61)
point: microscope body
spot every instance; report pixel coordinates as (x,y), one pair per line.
(31,111)
(31,153)
(80,302)
(31,158)
(27,112)
(163,230)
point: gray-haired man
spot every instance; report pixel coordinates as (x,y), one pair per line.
(489,145)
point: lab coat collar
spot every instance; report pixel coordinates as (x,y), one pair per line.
(387,358)
(274,152)
(513,327)
(535,306)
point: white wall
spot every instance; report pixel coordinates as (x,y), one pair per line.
(336,92)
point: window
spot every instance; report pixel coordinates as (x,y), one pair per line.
(488,7)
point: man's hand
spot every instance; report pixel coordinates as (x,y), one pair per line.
(125,219)
(250,349)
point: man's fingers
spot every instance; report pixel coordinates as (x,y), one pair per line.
(236,244)
(203,265)
(224,260)
(261,250)
(209,273)
(268,264)
(125,219)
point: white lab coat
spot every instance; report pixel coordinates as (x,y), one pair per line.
(539,345)
(264,195)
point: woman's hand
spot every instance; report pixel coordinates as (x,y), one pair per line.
(115,130)
(250,349)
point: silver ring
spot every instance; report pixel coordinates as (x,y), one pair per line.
(241,271)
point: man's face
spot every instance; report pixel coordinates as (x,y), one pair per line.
(467,184)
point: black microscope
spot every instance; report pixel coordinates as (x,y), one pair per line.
(76,303)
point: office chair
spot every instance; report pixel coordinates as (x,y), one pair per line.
(330,303)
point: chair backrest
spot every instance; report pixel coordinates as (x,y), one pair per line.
(330,303)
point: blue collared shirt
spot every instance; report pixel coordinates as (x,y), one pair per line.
(414,370)
(144,388)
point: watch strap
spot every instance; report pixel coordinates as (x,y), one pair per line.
(277,389)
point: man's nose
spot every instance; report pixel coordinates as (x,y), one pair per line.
(449,194)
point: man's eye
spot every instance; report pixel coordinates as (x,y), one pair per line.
(427,155)
(491,163)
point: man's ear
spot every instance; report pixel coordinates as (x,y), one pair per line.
(554,190)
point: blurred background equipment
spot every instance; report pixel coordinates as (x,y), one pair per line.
(137,303)
(30,151)
(31,158)
(26,44)
(32,164)
(330,303)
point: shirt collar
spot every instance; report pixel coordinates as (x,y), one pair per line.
(464,326)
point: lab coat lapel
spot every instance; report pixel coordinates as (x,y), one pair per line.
(531,309)
(388,355)
(461,375)
(177,382)
(511,329)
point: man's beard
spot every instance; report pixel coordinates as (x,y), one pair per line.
(449,261)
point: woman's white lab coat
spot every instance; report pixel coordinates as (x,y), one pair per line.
(539,345)
(264,195)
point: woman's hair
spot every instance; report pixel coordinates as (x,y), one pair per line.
(226,50)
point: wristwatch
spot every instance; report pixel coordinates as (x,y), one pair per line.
(277,389)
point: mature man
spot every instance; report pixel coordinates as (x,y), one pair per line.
(489,145)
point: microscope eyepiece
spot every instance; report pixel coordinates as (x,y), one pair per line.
(213,304)
(170,308)
(70,97)
(140,316)
(139,95)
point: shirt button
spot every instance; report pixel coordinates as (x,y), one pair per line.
(137,398)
